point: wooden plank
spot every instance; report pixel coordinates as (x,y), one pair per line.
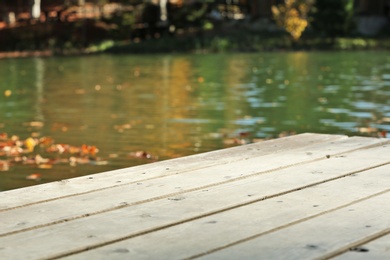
(308,146)
(231,227)
(34,194)
(319,237)
(135,219)
(377,249)
(161,188)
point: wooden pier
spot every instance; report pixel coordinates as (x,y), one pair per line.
(309,196)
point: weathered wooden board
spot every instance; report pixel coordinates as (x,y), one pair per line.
(257,219)
(309,146)
(204,205)
(377,249)
(275,181)
(317,146)
(320,237)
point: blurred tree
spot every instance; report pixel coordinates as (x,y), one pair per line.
(292,16)
(333,17)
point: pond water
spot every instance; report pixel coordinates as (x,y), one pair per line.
(139,109)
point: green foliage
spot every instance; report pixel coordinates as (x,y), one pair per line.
(333,18)
(196,14)
(218,44)
(361,44)
(128,19)
(208,25)
(101,47)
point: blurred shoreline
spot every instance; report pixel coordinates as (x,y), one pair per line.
(210,44)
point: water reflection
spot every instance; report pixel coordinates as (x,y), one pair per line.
(39,72)
(172,106)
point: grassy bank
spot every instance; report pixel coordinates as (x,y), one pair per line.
(247,43)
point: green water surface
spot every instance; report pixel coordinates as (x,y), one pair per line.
(176,105)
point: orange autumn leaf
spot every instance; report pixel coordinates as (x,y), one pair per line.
(73,149)
(46,141)
(89,149)
(3,136)
(24,152)
(4,165)
(34,176)
(45,166)
(93,150)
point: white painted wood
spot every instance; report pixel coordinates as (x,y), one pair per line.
(377,249)
(229,227)
(274,173)
(310,146)
(123,222)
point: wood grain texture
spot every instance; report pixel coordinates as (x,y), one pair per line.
(377,249)
(217,204)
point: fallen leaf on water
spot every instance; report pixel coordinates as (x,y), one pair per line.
(35,135)
(23,152)
(234,141)
(73,149)
(40,160)
(73,161)
(57,148)
(4,165)
(34,176)
(89,149)
(45,166)
(46,141)
(30,143)
(382,134)
(34,124)
(367,130)
(286,133)
(3,136)
(244,134)
(14,138)
(7,93)
(142,155)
